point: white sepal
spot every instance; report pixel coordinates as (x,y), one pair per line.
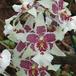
(43,60)
(4,60)
(56,51)
(17,8)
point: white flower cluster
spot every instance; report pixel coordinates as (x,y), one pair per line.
(38,14)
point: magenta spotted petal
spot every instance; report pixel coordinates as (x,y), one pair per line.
(61,4)
(21,46)
(50,45)
(26,64)
(49,37)
(55,8)
(32,38)
(42,71)
(32,47)
(40,30)
(27,28)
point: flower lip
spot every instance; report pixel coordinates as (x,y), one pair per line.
(41,39)
(42,46)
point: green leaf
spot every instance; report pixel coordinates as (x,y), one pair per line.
(74,39)
(9,43)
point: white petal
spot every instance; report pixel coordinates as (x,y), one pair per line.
(12,37)
(17,8)
(59,33)
(15,58)
(46,3)
(68,11)
(7,21)
(48,21)
(8,29)
(5,60)
(30,21)
(16,37)
(65,4)
(21,73)
(28,52)
(21,37)
(73,23)
(27,1)
(33,12)
(56,51)
(6,57)
(53,67)
(18,26)
(73,19)
(40,19)
(68,26)
(43,60)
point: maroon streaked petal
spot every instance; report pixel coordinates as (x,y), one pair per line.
(55,8)
(40,30)
(32,38)
(50,45)
(61,4)
(42,71)
(21,46)
(20,31)
(42,68)
(33,72)
(26,64)
(42,46)
(32,46)
(49,37)
(27,28)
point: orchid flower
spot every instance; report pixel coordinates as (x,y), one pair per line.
(24,6)
(5,58)
(60,11)
(70,25)
(41,39)
(8,28)
(14,32)
(32,68)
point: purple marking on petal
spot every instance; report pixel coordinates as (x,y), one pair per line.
(51,45)
(20,31)
(33,72)
(42,71)
(21,46)
(32,38)
(55,8)
(26,64)
(32,46)
(49,37)
(27,28)
(41,30)
(61,4)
